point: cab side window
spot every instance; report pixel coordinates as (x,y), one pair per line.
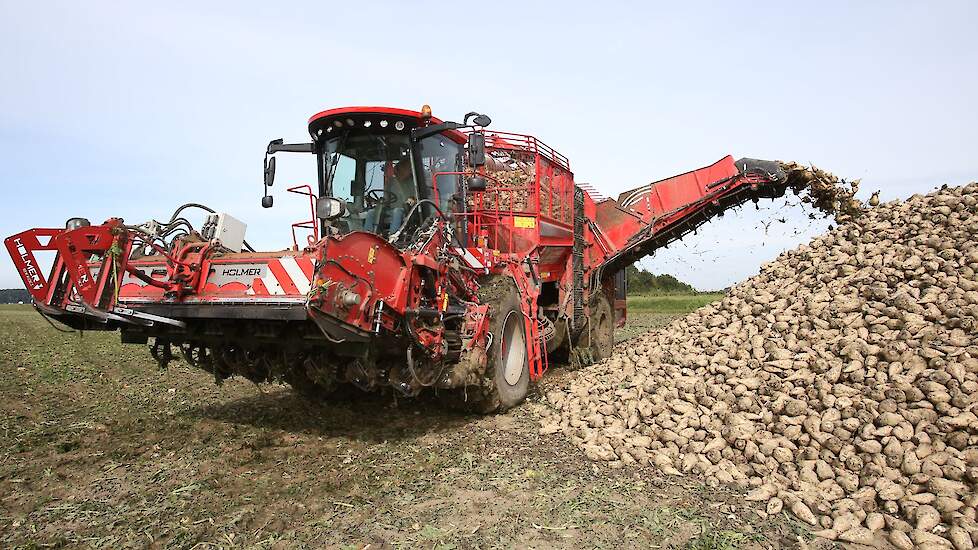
(345,172)
(439,155)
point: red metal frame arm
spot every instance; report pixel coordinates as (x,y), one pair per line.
(21,248)
(76,248)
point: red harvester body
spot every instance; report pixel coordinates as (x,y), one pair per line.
(440,255)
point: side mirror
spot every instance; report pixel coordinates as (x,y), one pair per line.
(477,149)
(330,208)
(266,201)
(482,120)
(269,171)
(477,183)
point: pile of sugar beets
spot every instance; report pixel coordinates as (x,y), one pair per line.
(840,384)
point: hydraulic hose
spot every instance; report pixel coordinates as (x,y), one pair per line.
(190,205)
(247,246)
(397,234)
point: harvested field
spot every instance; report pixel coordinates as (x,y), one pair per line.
(656,311)
(102,450)
(840,384)
(836,391)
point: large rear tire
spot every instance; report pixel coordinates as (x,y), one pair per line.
(507,375)
(597,340)
(603,328)
(509,365)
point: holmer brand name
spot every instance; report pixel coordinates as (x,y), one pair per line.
(237,273)
(241,272)
(30,270)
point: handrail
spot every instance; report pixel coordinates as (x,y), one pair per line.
(525,142)
(307,224)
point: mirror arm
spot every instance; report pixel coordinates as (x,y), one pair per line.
(277,146)
(418,134)
(421,133)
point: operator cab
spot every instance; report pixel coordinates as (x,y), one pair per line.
(367,159)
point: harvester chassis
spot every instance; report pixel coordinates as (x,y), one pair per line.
(483,279)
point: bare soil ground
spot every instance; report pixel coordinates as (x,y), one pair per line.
(99,448)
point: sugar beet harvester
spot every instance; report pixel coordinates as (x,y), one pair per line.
(440,255)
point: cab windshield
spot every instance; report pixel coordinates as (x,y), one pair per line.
(376,175)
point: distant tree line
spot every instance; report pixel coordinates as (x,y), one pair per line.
(641,281)
(14,295)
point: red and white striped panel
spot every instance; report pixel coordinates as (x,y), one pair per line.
(473,257)
(288,275)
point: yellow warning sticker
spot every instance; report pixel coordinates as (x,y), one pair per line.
(524,222)
(371,254)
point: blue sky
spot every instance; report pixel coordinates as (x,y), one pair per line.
(130,109)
